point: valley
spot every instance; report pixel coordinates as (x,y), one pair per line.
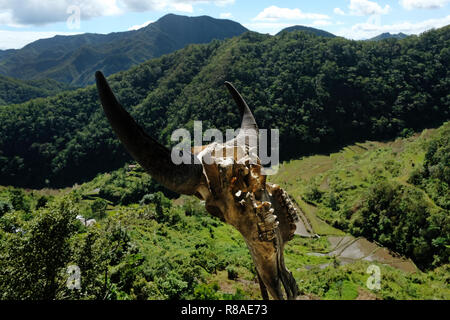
(364,146)
(172,249)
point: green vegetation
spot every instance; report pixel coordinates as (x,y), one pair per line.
(367,190)
(149,251)
(388,35)
(14,91)
(321,93)
(314,31)
(146,246)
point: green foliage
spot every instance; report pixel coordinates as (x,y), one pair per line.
(124,186)
(5,207)
(388,35)
(399,218)
(233,274)
(349,281)
(19,200)
(33,260)
(434,175)
(321,93)
(42,201)
(314,31)
(207,292)
(137,253)
(393,193)
(98,208)
(313,193)
(13,91)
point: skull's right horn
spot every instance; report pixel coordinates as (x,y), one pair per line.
(149,153)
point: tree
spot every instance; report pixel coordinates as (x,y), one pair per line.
(33,262)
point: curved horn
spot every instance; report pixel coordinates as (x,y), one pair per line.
(248,121)
(151,155)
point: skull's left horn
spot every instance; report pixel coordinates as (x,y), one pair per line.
(149,153)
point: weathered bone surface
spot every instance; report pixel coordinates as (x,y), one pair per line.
(232,186)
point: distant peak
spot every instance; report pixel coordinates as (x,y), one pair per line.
(388,35)
(317,32)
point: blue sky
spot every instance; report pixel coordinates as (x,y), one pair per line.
(24,21)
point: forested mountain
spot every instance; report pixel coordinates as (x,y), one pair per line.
(17,91)
(320,92)
(74,59)
(5,53)
(388,35)
(317,32)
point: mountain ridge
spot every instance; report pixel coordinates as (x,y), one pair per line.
(74,59)
(317,32)
(388,35)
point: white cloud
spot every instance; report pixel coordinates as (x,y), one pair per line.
(274,13)
(226,15)
(275,27)
(366,8)
(224,3)
(140,26)
(339,11)
(40,12)
(18,39)
(178,5)
(182,7)
(273,19)
(368,30)
(321,23)
(424,4)
(267,27)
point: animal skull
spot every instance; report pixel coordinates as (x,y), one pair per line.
(229,180)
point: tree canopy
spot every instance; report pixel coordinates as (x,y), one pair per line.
(320,93)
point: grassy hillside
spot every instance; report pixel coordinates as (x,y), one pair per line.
(146,246)
(74,59)
(395,193)
(321,94)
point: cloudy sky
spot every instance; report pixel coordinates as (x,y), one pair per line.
(23,21)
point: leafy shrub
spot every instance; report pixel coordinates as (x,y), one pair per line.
(313,194)
(42,201)
(33,262)
(232,273)
(400,218)
(19,200)
(5,207)
(98,208)
(207,292)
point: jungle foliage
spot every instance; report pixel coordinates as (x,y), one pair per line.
(13,91)
(157,248)
(394,193)
(320,93)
